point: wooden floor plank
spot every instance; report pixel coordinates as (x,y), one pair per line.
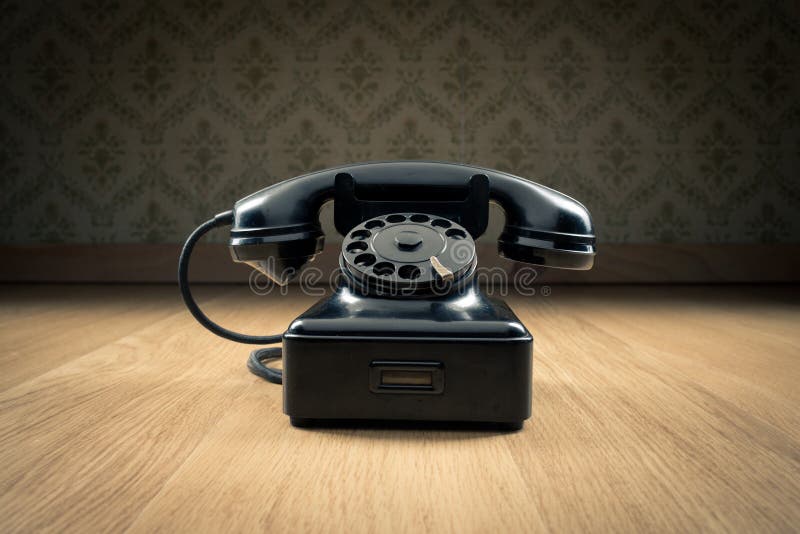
(738,344)
(51,325)
(361,480)
(655,409)
(647,433)
(105,431)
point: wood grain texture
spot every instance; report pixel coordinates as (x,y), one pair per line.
(655,409)
(615,263)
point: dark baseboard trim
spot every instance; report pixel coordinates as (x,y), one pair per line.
(615,263)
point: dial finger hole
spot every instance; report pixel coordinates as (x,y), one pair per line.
(364,260)
(383,268)
(455,233)
(409,272)
(375,223)
(419,218)
(360,234)
(395,218)
(442,223)
(357,246)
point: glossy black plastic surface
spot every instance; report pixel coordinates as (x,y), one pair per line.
(359,197)
(543,226)
(478,354)
(463,315)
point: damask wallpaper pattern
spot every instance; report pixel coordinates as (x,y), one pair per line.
(134,121)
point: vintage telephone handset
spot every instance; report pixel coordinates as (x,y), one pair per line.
(407,335)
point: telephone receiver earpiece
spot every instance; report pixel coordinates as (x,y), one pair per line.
(277,229)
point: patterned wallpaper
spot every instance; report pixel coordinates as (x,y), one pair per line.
(134,121)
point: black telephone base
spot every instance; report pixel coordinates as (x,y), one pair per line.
(453,361)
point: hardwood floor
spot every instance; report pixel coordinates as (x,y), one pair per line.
(655,409)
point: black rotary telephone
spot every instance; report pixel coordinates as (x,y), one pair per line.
(407,335)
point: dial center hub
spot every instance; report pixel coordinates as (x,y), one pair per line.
(408,240)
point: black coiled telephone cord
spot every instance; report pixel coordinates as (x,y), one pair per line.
(259,357)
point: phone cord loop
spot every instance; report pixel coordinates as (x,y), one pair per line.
(259,356)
